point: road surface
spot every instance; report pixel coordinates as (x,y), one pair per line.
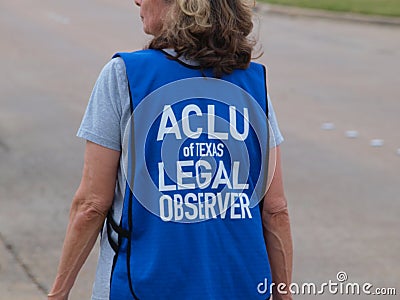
(343,194)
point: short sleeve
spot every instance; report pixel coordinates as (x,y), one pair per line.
(276,137)
(102,120)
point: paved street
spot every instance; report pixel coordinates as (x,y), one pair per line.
(343,194)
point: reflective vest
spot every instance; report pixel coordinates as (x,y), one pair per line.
(195,160)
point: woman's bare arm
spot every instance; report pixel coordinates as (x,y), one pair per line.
(88,211)
(276,227)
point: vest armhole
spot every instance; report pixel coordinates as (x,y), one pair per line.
(266,90)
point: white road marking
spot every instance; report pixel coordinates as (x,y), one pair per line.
(328,126)
(352,134)
(376,143)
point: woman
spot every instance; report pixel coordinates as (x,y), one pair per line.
(198,235)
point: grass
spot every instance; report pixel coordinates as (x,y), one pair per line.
(372,7)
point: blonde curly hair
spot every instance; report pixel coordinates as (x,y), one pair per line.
(214,33)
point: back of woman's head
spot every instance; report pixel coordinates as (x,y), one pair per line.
(214,33)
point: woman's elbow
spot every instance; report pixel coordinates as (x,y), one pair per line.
(275,204)
(88,209)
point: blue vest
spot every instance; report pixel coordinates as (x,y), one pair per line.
(195,151)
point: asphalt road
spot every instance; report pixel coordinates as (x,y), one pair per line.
(344,195)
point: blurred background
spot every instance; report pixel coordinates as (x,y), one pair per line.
(335,87)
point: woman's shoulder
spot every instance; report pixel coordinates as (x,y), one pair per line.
(256,64)
(113,68)
(138,54)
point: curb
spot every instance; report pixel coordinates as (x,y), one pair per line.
(292,11)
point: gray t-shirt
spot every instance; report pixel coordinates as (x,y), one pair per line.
(104,123)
